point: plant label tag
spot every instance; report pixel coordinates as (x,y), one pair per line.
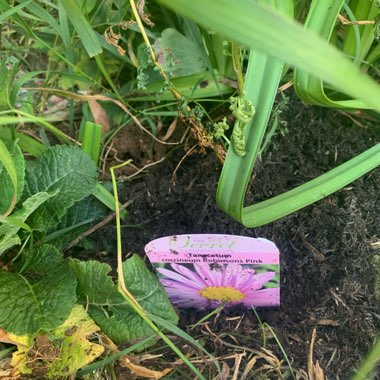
(206,271)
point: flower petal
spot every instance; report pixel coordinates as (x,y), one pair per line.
(257,282)
(231,275)
(264,297)
(193,283)
(208,276)
(246,276)
(190,274)
(169,284)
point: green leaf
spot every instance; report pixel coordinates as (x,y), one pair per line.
(364,34)
(87,6)
(104,196)
(8,241)
(40,298)
(12,224)
(178,54)
(109,309)
(94,284)
(66,169)
(196,86)
(12,178)
(146,288)
(44,15)
(35,148)
(28,207)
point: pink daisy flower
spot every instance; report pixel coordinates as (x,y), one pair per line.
(208,287)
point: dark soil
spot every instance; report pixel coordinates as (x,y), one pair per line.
(327,278)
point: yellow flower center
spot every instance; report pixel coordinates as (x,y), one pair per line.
(222,293)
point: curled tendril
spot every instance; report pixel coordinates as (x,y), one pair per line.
(238,141)
(244,111)
(242,108)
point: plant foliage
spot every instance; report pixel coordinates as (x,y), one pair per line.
(40,289)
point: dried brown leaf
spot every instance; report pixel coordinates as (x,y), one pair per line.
(99,114)
(143,371)
(225,373)
(170,130)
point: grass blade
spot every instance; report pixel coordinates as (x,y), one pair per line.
(362,10)
(282,349)
(27,118)
(133,303)
(321,20)
(26,143)
(92,140)
(13,10)
(82,27)
(369,363)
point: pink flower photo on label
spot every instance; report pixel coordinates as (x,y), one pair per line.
(210,285)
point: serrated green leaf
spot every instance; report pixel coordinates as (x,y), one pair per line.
(40,298)
(146,288)
(8,241)
(28,207)
(120,323)
(94,284)
(77,219)
(109,309)
(66,169)
(12,224)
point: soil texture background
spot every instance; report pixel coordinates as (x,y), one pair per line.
(327,249)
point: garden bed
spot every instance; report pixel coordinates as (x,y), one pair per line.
(327,276)
(157,95)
